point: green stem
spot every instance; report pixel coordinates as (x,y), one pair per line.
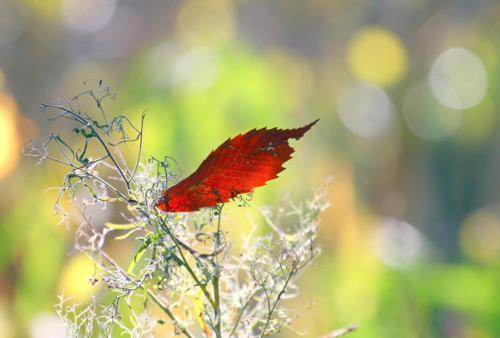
(186,263)
(216,285)
(202,287)
(169,313)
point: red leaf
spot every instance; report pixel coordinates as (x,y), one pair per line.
(237,166)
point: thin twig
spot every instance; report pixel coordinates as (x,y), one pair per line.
(240,313)
(186,263)
(139,151)
(89,125)
(127,183)
(216,286)
(153,296)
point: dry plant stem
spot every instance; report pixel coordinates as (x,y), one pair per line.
(252,283)
(215,300)
(271,308)
(151,294)
(84,123)
(127,181)
(106,149)
(216,286)
(98,102)
(107,184)
(186,264)
(240,313)
(139,151)
(197,254)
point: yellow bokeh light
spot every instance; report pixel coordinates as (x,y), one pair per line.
(9,138)
(480,236)
(6,322)
(76,278)
(47,8)
(377,56)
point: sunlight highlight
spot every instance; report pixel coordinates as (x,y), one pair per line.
(377,56)
(398,244)
(9,138)
(75,277)
(365,110)
(458,78)
(480,236)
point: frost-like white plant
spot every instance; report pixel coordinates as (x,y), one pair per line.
(185,265)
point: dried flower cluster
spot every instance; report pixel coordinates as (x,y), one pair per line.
(185,275)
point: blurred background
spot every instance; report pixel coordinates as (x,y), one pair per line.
(408,96)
